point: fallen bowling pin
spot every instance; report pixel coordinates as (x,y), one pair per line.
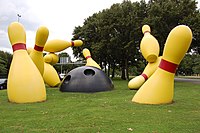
(149,45)
(89,60)
(25,83)
(159,88)
(138,81)
(50,75)
(37,53)
(58,45)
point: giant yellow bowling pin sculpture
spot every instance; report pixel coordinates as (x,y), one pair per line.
(50,75)
(37,53)
(25,83)
(89,60)
(150,49)
(159,88)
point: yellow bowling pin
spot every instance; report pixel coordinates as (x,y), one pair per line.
(89,60)
(50,75)
(51,58)
(149,46)
(58,45)
(25,83)
(37,53)
(159,88)
(138,81)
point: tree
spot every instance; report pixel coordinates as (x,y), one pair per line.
(164,15)
(113,35)
(196,66)
(5,62)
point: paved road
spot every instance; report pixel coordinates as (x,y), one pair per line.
(197,81)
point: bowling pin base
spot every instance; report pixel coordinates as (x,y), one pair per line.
(50,76)
(18,102)
(159,89)
(152,58)
(25,85)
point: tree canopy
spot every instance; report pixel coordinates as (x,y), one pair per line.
(113,35)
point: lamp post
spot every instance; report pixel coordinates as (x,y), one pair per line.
(18,16)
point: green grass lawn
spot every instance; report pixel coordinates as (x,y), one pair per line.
(103,112)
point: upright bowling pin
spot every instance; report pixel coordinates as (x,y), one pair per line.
(159,88)
(89,60)
(25,83)
(149,46)
(138,81)
(37,53)
(50,75)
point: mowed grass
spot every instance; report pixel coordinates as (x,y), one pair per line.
(103,112)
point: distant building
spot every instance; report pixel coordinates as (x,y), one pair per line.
(64,60)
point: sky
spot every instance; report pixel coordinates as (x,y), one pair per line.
(59,16)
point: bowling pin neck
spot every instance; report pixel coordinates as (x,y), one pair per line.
(168,66)
(38,48)
(87,57)
(146,32)
(18,46)
(145,76)
(72,43)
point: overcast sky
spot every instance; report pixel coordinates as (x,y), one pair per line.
(59,16)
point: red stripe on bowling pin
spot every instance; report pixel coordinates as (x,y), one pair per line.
(145,76)
(72,44)
(168,66)
(18,46)
(87,57)
(146,32)
(38,48)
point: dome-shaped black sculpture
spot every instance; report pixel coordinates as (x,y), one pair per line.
(86,79)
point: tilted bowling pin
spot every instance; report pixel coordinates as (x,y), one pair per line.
(25,83)
(89,60)
(58,45)
(159,88)
(138,81)
(149,46)
(50,75)
(37,53)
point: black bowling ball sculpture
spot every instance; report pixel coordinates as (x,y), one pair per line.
(89,78)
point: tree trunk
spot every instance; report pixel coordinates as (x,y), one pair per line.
(126,66)
(101,64)
(113,71)
(123,76)
(108,70)
(105,67)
